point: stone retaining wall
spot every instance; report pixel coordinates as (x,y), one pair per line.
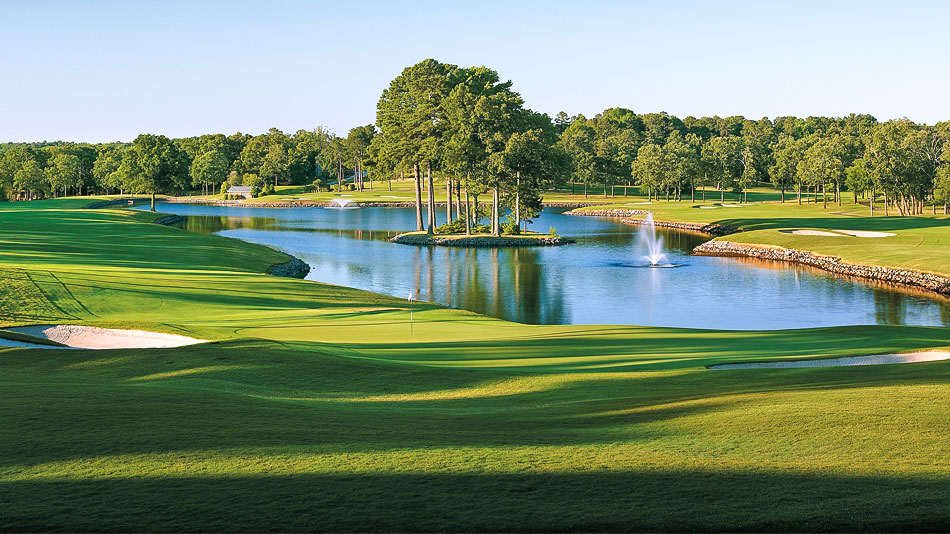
(481,241)
(931,282)
(295,268)
(607,212)
(107,203)
(360,203)
(699,228)
(628,215)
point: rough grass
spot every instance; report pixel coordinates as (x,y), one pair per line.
(315,408)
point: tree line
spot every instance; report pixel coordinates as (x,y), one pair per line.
(155,164)
(907,164)
(470,130)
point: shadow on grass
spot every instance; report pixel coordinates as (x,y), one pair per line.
(633,349)
(880,224)
(648,500)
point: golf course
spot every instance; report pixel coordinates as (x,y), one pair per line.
(449,267)
(319,407)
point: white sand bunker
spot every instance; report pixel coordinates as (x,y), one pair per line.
(811,232)
(708,207)
(865,233)
(876,359)
(90,337)
(839,233)
(732,206)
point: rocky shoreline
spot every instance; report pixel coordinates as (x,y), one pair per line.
(628,217)
(481,241)
(170,220)
(356,203)
(713,229)
(607,212)
(295,268)
(107,203)
(927,281)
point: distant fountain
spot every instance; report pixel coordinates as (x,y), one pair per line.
(647,238)
(342,204)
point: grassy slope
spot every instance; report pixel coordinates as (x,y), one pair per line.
(317,410)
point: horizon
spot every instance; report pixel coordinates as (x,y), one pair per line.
(109,72)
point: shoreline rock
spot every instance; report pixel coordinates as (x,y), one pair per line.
(905,277)
(107,203)
(481,241)
(362,204)
(627,216)
(295,268)
(170,220)
(711,229)
(607,212)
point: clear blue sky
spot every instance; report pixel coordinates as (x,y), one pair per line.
(99,71)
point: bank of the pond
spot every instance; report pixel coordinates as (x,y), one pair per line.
(295,268)
(629,216)
(480,240)
(928,281)
(170,220)
(257,203)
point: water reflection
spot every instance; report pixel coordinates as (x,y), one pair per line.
(584,283)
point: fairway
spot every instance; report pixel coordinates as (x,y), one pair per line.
(314,401)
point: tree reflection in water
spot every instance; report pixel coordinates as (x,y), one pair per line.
(584,283)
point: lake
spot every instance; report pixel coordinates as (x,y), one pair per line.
(590,282)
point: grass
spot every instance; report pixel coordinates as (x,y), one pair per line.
(316,409)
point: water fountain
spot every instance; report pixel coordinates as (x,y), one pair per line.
(653,245)
(342,204)
(649,247)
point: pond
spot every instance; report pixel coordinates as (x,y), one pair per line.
(590,282)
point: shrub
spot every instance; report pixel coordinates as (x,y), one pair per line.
(552,231)
(455,227)
(510,228)
(481,229)
(351,187)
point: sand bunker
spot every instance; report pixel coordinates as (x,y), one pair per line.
(839,233)
(732,206)
(90,337)
(876,359)
(811,232)
(708,207)
(865,233)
